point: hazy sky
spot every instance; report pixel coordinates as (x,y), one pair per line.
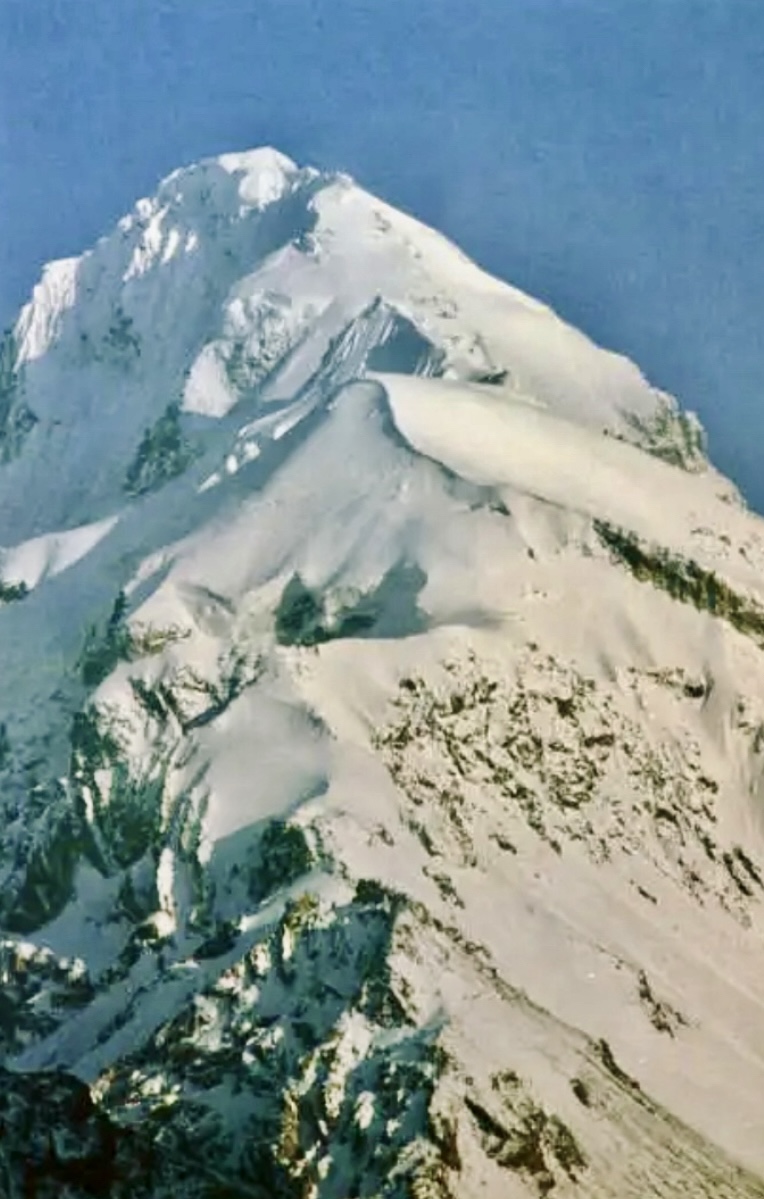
(605,155)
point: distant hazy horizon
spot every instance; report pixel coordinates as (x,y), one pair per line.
(604,156)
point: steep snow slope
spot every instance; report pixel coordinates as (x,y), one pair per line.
(381,751)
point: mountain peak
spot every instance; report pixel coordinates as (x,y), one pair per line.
(262,175)
(380,730)
(246,255)
(260,160)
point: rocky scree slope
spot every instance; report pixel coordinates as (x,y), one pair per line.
(381,736)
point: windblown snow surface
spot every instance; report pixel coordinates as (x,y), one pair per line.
(382,746)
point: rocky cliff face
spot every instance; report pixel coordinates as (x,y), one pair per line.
(381,733)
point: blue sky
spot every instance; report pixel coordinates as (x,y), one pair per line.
(605,155)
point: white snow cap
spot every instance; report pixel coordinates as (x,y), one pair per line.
(266,174)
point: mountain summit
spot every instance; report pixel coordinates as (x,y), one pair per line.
(381,730)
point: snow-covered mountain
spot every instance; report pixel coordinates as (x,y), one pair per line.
(381,729)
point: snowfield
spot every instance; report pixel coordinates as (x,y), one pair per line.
(382,732)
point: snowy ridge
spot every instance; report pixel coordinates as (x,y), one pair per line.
(381,745)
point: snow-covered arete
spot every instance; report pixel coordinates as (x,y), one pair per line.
(381,729)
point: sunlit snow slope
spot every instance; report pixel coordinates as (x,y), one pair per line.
(381,730)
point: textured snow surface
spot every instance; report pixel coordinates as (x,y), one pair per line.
(381,731)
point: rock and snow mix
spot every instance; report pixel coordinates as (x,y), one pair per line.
(381,733)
